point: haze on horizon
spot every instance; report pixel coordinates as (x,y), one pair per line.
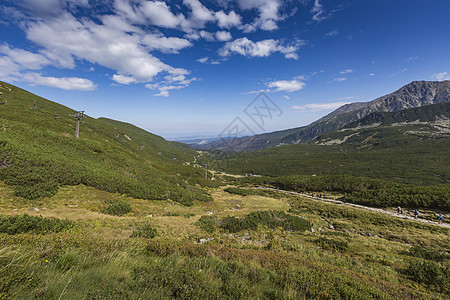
(190,67)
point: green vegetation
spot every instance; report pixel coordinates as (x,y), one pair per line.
(207,223)
(326,243)
(411,153)
(270,219)
(365,191)
(145,231)
(39,153)
(159,257)
(117,208)
(235,243)
(25,223)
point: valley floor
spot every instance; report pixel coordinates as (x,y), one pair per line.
(345,253)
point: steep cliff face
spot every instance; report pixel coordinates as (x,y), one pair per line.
(414,94)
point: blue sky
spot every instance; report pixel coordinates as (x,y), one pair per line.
(190,67)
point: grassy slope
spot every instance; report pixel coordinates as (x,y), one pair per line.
(407,153)
(39,153)
(98,258)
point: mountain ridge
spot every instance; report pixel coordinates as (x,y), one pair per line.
(414,94)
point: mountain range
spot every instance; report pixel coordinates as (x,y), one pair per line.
(414,94)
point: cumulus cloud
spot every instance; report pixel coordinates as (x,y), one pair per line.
(319,106)
(66,38)
(165,44)
(246,47)
(122,79)
(171,82)
(269,13)
(441,76)
(125,39)
(159,14)
(223,36)
(207,60)
(200,13)
(228,20)
(25,59)
(16,63)
(65,83)
(286,85)
(206,35)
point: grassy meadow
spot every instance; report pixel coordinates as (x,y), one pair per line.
(343,253)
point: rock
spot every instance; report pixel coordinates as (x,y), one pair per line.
(203,241)
(149,216)
(312,230)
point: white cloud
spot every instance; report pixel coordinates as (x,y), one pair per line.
(340,79)
(319,106)
(269,13)
(203,60)
(158,13)
(286,97)
(207,35)
(228,20)
(200,13)
(346,71)
(66,38)
(171,82)
(372,74)
(207,60)
(165,44)
(25,59)
(286,85)
(15,63)
(246,47)
(332,33)
(317,11)
(441,76)
(257,92)
(66,83)
(223,36)
(412,58)
(123,79)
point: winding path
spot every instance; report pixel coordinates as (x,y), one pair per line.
(378,210)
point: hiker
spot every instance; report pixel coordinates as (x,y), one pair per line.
(416,213)
(344,200)
(399,210)
(440,219)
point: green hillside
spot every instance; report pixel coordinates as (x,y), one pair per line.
(39,153)
(407,152)
(93,217)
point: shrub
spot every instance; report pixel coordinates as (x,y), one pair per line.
(271,219)
(331,244)
(117,208)
(145,231)
(428,272)
(25,223)
(207,223)
(429,254)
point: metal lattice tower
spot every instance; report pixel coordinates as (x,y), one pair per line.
(79,116)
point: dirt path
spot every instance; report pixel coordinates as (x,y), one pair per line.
(378,210)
